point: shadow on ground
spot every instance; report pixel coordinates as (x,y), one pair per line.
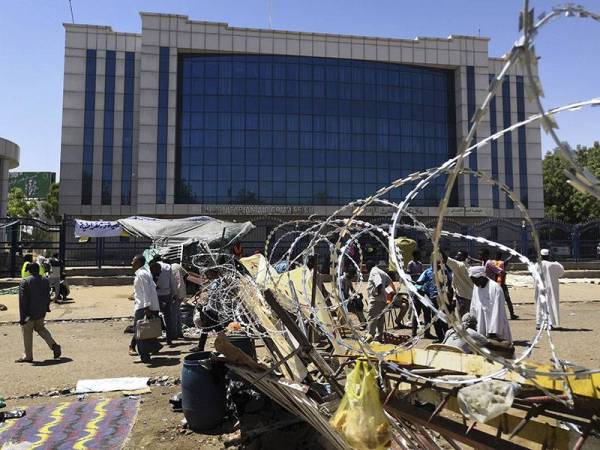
(52,362)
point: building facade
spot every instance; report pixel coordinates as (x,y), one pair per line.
(9,159)
(192,117)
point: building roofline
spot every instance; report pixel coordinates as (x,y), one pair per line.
(264,30)
(99,28)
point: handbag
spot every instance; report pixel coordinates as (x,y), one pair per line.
(148,328)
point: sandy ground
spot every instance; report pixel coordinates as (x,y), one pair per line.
(85,302)
(98,349)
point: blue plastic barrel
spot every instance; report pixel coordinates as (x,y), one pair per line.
(202,391)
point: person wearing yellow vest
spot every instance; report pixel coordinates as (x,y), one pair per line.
(28,259)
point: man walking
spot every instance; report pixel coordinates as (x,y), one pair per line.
(552,271)
(34,303)
(145,305)
(379,287)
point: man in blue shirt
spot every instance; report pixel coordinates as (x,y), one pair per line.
(426,286)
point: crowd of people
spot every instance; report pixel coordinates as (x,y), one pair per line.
(476,292)
(157,287)
(475,289)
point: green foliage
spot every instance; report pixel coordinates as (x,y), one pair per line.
(561,200)
(19,206)
(50,205)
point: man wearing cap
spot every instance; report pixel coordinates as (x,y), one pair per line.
(379,287)
(469,325)
(552,271)
(463,286)
(487,305)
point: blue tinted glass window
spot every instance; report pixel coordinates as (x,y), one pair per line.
(522,134)
(473,185)
(288,130)
(163,119)
(494,149)
(127,144)
(88,130)
(108,134)
(508,166)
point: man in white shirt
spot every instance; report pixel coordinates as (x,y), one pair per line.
(165,288)
(463,286)
(178,277)
(145,304)
(379,287)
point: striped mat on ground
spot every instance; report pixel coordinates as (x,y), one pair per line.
(90,423)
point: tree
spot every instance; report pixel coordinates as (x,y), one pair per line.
(50,205)
(19,206)
(561,200)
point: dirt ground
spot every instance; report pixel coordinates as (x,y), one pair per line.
(85,302)
(98,349)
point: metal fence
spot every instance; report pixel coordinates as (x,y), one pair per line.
(20,236)
(566,241)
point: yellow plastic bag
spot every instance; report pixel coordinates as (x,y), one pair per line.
(359,417)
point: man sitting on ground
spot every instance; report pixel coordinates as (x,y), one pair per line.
(469,324)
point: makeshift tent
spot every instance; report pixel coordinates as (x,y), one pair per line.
(166,232)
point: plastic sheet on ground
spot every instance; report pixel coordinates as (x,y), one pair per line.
(111,384)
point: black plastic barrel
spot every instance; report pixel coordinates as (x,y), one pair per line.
(202,391)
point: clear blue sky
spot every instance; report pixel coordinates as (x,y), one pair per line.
(32,49)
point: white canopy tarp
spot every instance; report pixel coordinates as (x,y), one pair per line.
(213,232)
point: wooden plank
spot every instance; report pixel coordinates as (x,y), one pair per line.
(303,341)
(582,385)
(456,431)
(254,304)
(302,281)
(536,430)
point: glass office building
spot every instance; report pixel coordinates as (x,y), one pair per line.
(302,130)
(192,118)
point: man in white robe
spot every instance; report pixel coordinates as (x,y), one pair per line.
(552,271)
(487,305)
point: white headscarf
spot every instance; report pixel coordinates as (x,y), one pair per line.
(477,271)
